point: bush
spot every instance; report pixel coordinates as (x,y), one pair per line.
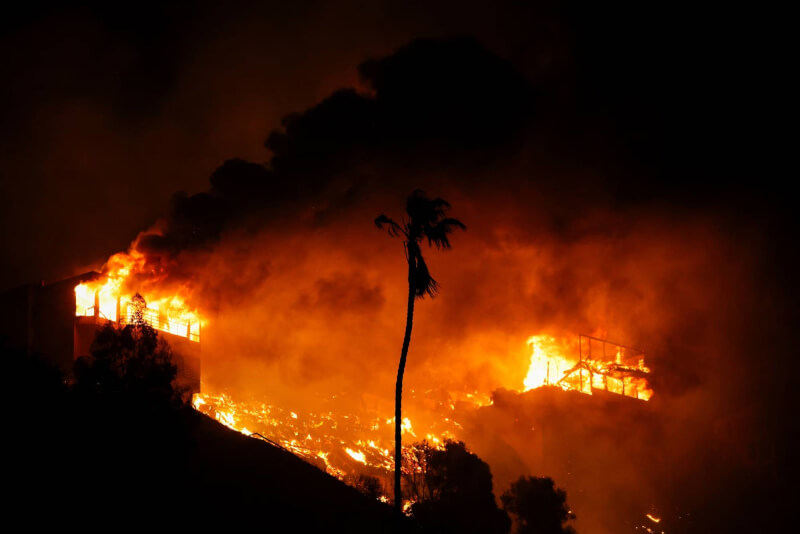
(538,506)
(456,491)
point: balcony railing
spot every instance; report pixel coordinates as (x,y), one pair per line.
(161,322)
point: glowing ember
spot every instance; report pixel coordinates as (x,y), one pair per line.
(344,444)
(340,443)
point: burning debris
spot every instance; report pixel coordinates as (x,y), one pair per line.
(345,444)
(338,442)
(621,370)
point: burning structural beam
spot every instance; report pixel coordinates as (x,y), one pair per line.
(626,375)
(601,365)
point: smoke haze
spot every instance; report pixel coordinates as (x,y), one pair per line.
(601,193)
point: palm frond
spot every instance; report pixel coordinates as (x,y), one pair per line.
(424,284)
(426,220)
(438,233)
(424,211)
(393,228)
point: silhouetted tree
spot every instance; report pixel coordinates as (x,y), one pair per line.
(456,492)
(131,364)
(415,471)
(426,220)
(133,419)
(538,506)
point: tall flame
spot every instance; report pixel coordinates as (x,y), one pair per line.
(547,362)
(110,298)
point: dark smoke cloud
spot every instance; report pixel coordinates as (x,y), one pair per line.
(433,104)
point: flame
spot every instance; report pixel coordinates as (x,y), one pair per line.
(358,456)
(340,443)
(547,362)
(550,366)
(343,443)
(110,298)
(406,427)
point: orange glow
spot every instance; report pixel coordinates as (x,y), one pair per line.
(339,443)
(344,443)
(110,298)
(547,362)
(550,365)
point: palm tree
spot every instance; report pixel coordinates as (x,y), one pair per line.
(426,220)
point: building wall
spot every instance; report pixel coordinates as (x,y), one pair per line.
(54,321)
(39,319)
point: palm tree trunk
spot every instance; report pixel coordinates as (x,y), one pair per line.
(398,393)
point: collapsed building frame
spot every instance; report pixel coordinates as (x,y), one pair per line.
(617,376)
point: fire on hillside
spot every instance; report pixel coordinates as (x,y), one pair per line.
(345,443)
(346,440)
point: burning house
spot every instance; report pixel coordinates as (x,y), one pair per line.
(59,321)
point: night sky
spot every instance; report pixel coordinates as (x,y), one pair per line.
(582,127)
(109,111)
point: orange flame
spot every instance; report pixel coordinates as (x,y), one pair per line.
(110,298)
(550,366)
(346,443)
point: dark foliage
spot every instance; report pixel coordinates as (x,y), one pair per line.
(367,485)
(415,472)
(119,452)
(129,364)
(458,493)
(538,506)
